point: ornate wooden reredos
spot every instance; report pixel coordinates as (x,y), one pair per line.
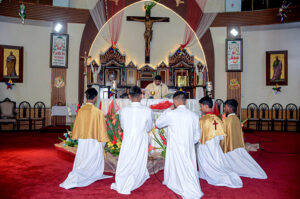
(181,64)
(146,75)
(112,64)
(163,70)
(131,74)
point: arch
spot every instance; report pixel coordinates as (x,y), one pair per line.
(90,32)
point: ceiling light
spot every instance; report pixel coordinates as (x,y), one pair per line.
(58,27)
(234,32)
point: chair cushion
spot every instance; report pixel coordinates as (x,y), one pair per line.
(7,109)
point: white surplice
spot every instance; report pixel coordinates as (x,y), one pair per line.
(180,172)
(88,166)
(213,166)
(136,121)
(243,164)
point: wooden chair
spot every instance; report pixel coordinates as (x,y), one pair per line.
(220,104)
(8,113)
(264,116)
(277,116)
(291,116)
(24,114)
(253,115)
(39,114)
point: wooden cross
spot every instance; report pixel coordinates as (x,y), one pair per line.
(215,123)
(148,21)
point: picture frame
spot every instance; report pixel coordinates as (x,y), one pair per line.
(11,63)
(234,55)
(59,50)
(277,68)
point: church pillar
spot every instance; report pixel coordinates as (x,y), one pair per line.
(58,94)
(234,92)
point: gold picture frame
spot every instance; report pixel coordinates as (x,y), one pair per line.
(11,63)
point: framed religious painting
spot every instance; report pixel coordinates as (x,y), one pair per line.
(11,63)
(277,67)
(59,48)
(234,55)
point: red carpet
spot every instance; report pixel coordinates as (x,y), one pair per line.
(30,167)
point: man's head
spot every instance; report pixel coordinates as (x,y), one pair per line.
(179,98)
(147,16)
(157,80)
(230,106)
(135,94)
(91,95)
(206,104)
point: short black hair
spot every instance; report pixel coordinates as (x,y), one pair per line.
(135,91)
(91,93)
(206,101)
(157,77)
(179,95)
(233,104)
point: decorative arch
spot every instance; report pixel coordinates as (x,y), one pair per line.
(90,32)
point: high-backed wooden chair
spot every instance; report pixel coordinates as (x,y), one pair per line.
(24,115)
(264,116)
(220,104)
(291,116)
(39,114)
(277,116)
(8,113)
(253,115)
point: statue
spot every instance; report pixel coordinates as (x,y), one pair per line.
(95,72)
(200,68)
(11,65)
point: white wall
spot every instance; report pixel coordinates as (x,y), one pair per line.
(219,36)
(75,32)
(167,36)
(256,43)
(36,71)
(36,84)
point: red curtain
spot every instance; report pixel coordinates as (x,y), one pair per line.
(193,18)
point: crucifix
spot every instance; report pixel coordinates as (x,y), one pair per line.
(85,59)
(148,21)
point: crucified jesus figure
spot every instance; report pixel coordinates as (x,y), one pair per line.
(148,21)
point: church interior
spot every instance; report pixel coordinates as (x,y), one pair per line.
(52,51)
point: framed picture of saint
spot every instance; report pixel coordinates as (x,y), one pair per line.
(277,67)
(11,63)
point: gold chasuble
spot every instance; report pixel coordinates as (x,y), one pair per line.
(234,132)
(90,124)
(210,126)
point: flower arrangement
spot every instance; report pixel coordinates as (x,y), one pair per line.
(162,142)
(161,106)
(68,141)
(159,134)
(114,130)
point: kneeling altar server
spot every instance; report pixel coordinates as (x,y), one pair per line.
(90,130)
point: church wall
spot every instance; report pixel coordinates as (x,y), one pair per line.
(219,36)
(36,84)
(75,33)
(167,36)
(36,70)
(256,43)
